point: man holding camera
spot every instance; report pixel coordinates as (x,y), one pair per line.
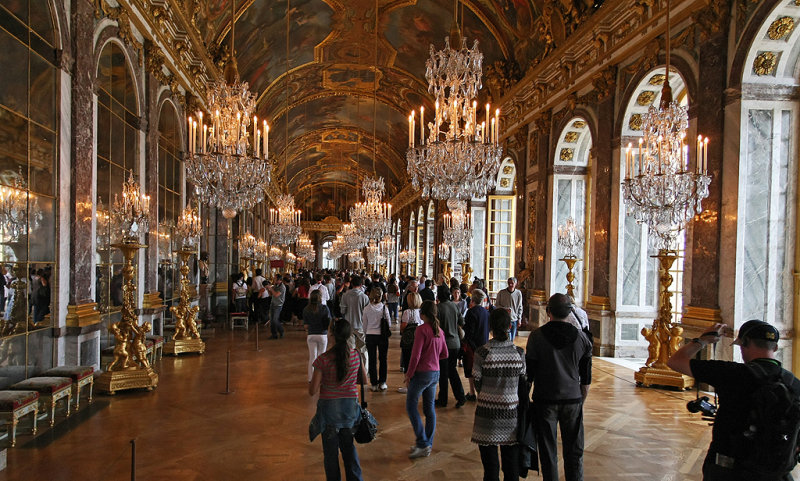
(736,434)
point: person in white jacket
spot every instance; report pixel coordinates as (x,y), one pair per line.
(377,344)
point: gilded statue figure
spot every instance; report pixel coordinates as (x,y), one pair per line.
(139,347)
(122,359)
(676,339)
(663,334)
(653,348)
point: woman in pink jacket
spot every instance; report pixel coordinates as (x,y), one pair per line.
(422,378)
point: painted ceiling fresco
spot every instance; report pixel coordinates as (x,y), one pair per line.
(343,77)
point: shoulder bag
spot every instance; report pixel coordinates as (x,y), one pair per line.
(367,427)
(386,330)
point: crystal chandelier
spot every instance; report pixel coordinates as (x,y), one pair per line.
(352,239)
(456,156)
(372,253)
(457,231)
(227,166)
(305,248)
(291,259)
(659,188)
(131,214)
(275,253)
(284,221)
(372,218)
(189,227)
(247,246)
(570,237)
(355,257)
(19,210)
(444,251)
(407,256)
(164,242)
(261,251)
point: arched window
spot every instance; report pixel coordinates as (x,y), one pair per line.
(569,201)
(420,240)
(502,214)
(767,183)
(327,262)
(637,271)
(169,200)
(29,125)
(117,147)
(430,243)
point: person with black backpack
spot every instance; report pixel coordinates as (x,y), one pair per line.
(755,433)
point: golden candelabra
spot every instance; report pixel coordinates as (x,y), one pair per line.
(186,337)
(570,262)
(466,272)
(447,272)
(18,320)
(130,368)
(664,337)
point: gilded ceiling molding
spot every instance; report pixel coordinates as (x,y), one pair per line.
(120,15)
(712,19)
(573,62)
(407,196)
(329,224)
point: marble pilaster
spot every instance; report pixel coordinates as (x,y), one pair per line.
(543,131)
(80,210)
(150,179)
(603,153)
(706,231)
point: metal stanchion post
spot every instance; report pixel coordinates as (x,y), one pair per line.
(133,460)
(258,349)
(228,375)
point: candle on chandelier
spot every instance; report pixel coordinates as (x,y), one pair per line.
(411,130)
(705,156)
(497,126)
(194,136)
(628,164)
(205,133)
(238,126)
(422,125)
(255,135)
(216,128)
(390,211)
(190,134)
(265,139)
(200,115)
(492,132)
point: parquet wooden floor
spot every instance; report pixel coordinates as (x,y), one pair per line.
(187,430)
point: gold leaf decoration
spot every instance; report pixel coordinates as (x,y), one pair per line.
(504,182)
(765,63)
(578,124)
(566,155)
(635,122)
(657,79)
(571,137)
(507,169)
(781,28)
(646,98)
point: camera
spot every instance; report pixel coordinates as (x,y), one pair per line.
(702,405)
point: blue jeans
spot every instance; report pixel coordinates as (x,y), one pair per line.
(333,441)
(422,384)
(512,332)
(392,311)
(275,320)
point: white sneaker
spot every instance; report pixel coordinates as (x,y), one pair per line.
(384,387)
(419,452)
(402,390)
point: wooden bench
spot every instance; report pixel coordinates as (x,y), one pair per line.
(16,404)
(51,389)
(239,319)
(81,376)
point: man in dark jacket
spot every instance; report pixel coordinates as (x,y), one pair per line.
(449,319)
(559,363)
(427,293)
(476,334)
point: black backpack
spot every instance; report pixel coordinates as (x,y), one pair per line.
(769,444)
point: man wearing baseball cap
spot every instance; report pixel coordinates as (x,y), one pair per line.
(734,383)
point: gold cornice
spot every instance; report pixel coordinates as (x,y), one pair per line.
(599,303)
(82,315)
(405,197)
(524,100)
(321,226)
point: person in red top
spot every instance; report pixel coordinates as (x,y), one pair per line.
(338,413)
(422,378)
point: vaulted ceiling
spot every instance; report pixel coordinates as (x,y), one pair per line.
(318,86)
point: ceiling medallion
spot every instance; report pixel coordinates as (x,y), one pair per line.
(646,98)
(566,155)
(765,64)
(571,137)
(657,79)
(781,28)
(456,157)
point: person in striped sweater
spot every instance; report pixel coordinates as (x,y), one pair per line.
(497,368)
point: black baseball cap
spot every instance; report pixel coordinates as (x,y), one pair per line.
(755,329)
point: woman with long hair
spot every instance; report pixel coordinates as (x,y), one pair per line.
(316,318)
(498,366)
(336,374)
(422,378)
(372,316)
(408,324)
(392,298)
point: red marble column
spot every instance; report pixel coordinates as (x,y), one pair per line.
(604,165)
(543,128)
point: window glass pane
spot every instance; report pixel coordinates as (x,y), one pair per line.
(43,151)
(13,143)
(18,7)
(42,21)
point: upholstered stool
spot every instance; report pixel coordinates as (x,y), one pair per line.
(14,405)
(51,389)
(158,345)
(81,376)
(150,344)
(239,319)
